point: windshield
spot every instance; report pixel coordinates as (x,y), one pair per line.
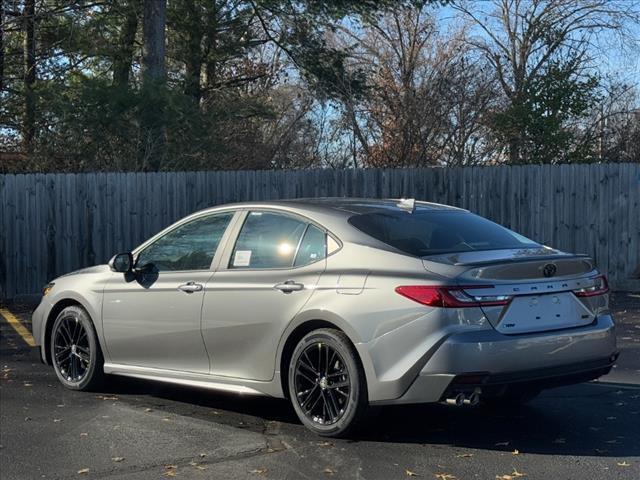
(429,232)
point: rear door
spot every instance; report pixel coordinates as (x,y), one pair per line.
(265,279)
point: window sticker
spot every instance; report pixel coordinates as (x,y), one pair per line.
(242,258)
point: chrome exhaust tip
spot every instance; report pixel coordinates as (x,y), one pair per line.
(458,400)
(473,399)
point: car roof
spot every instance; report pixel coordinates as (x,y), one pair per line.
(332,212)
(347,205)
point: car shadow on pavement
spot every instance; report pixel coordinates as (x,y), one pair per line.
(592,419)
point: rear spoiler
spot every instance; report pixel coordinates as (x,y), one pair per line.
(532,258)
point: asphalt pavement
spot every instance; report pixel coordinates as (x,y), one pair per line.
(142,430)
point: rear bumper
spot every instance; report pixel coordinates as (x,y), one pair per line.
(492,385)
(491,360)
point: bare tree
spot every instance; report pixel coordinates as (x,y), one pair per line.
(427,92)
(522,39)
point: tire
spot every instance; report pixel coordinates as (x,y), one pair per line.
(513,398)
(330,398)
(75,350)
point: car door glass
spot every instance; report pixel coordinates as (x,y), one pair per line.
(267,240)
(312,248)
(189,247)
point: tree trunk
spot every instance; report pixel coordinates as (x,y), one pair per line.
(211,42)
(153,55)
(193,61)
(153,80)
(29,124)
(124,57)
(1,45)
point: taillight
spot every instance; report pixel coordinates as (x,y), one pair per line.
(600,287)
(450,297)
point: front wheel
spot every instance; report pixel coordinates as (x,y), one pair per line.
(327,385)
(75,351)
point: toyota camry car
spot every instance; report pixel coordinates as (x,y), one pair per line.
(336,304)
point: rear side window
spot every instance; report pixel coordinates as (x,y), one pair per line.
(267,240)
(428,232)
(312,248)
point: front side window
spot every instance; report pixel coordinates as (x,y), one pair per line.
(274,240)
(189,247)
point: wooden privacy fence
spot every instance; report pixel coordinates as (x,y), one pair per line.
(51,224)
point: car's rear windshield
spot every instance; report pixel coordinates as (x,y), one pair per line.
(429,232)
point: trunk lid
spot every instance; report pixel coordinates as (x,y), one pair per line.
(539,284)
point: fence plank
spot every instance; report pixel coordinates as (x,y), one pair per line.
(54,223)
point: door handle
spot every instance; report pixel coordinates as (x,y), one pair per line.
(190,287)
(289,286)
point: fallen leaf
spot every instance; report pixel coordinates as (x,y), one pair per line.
(516,474)
(148,410)
(445,476)
(624,464)
(410,473)
(28,384)
(324,444)
(83,471)
(464,455)
(501,444)
(328,471)
(117,459)
(107,397)
(196,465)
(166,419)
(170,470)
(56,420)
(83,434)
(258,471)
(515,452)
(202,455)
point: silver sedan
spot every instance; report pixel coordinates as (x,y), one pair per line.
(335,304)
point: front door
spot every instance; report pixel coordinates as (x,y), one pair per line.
(268,276)
(152,318)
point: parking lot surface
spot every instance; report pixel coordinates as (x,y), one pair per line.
(139,430)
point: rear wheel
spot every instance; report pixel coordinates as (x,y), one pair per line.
(327,385)
(75,351)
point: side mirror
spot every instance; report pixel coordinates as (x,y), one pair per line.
(121,262)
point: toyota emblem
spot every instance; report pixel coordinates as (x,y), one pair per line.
(549,270)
